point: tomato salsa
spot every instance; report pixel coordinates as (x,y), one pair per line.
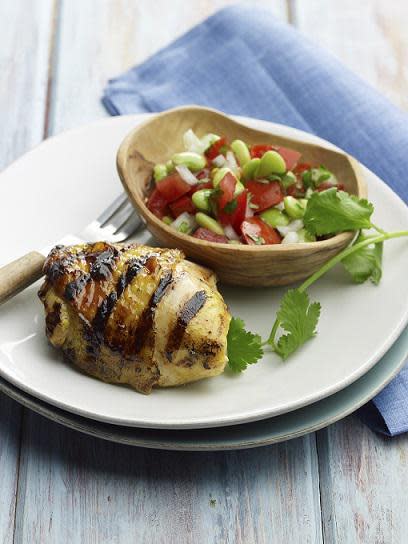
(235,193)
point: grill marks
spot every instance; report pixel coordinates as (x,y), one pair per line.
(189,310)
(145,323)
(133,267)
(74,288)
(102,314)
(53,318)
(63,268)
(102,263)
(85,279)
(95,294)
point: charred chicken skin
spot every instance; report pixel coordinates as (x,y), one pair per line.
(135,315)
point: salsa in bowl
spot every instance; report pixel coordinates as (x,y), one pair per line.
(146,150)
(235,193)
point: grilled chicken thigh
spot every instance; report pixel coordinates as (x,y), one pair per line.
(135,315)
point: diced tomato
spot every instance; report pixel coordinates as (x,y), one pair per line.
(181,205)
(259,149)
(230,208)
(297,190)
(215,150)
(173,187)
(301,167)
(235,217)
(157,204)
(227,188)
(290,156)
(327,185)
(255,231)
(265,195)
(199,186)
(209,236)
(204,173)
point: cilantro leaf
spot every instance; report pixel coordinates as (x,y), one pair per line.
(244,348)
(315,176)
(333,211)
(307,179)
(298,318)
(323,177)
(365,263)
(231,206)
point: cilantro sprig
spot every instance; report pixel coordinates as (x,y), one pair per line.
(328,212)
(298,318)
(365,263)
(244,348)
(333,211)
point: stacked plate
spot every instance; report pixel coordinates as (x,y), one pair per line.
(361,343)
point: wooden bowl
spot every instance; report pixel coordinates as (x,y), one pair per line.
(251,265)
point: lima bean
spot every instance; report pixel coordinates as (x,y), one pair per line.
(294,207)
(249,170)
(241,151)
(193,161)
(271,163)
(275,218)
(159,172)
(201,199)
(209,223)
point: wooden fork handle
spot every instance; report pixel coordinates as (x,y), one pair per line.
(19,274)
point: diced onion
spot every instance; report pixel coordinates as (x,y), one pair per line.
(231,161)
(198,145)
(192,142)
(186,175)
(230,233)
(208,140)
(249,212)
(293,226)
(280,206)
(291,238)
(220,161)
(184,217)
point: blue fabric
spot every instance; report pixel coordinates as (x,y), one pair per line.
(243,61)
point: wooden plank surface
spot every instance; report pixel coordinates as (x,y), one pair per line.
(77,489)
(26,38)
(10,434)
(99,39)
(364,477)
(24,54)
(369,37)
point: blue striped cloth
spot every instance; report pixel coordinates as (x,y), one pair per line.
(243,61)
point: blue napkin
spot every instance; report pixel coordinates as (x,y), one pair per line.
(243,61)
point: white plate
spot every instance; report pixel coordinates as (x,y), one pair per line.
(58,187)
(249,435)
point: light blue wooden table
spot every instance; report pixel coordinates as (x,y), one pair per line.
(343,484)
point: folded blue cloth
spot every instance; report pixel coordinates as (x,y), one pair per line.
(243,61)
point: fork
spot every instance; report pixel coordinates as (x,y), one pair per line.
(116,224)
